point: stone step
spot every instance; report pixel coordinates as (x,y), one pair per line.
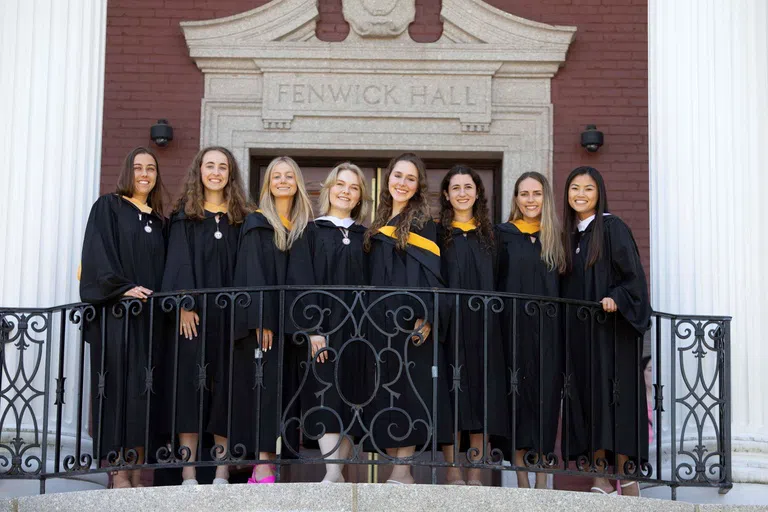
(317,497)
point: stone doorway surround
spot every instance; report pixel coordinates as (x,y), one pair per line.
(483,89)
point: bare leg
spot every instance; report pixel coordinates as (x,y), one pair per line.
(628,487)
(522,476)
(475,441)
(121,480)
(452,474)
(328,447)
(401,473)
(190,441)
(223,470)
(136,473)
(601,482)
(261,471)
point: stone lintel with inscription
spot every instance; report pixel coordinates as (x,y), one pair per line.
(464,98)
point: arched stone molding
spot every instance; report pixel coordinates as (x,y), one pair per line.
(483,89)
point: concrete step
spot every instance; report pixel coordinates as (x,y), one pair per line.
(344,497)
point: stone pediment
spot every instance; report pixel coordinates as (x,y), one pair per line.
(466,23)
(474,21)
(276,21)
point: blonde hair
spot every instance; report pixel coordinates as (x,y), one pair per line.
(552,252)
(361,209)
(301,208)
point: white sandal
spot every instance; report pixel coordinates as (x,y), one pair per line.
(632,483)
(598,490)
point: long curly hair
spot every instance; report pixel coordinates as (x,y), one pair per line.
(416,212)
(192,200)
(125,182)
(552,252)
(479,210)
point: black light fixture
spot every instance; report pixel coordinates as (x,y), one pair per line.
(161,133)
(591,138)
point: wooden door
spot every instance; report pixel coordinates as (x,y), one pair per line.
(315,170)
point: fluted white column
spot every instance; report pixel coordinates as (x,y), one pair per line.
(708,110)
(51,100)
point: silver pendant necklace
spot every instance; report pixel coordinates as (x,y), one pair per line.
(218,234)
(147,228)
(345,234)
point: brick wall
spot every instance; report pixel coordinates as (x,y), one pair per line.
(149,74)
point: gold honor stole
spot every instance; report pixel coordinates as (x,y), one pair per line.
(465,226)
(286,223)
(215,208)
(413,239)
(527,227)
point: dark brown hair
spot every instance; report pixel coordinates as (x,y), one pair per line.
(415,213)
(192,199)
(479,209)
(571,220)
(125,182)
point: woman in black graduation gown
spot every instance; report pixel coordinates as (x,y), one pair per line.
(403,252)
(202,244)
(465,236)
(603,265)
(262,258)
(331,253)
(123,257)
(530,260)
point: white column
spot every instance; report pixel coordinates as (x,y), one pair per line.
(708,97)
(51,99)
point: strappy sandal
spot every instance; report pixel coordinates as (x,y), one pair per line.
(628,484)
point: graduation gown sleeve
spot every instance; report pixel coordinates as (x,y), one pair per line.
(629,287)
(254,250)
(303,316)
(103,278)
(179,270)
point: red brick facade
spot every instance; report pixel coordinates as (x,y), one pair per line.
(149,75)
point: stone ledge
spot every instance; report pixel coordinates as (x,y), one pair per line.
(345,497)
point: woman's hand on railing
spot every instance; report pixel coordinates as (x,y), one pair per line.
(609,305)
(318,343)
(424,330)
(138,292)
(264,337)
(188,323)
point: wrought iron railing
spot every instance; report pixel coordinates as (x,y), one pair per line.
(371,332)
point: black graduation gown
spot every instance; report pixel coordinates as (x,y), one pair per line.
(614,352)
(468,265)
(119,254)
(533,358)
(320,258)
(197,259)
(256,410)
(401,413)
